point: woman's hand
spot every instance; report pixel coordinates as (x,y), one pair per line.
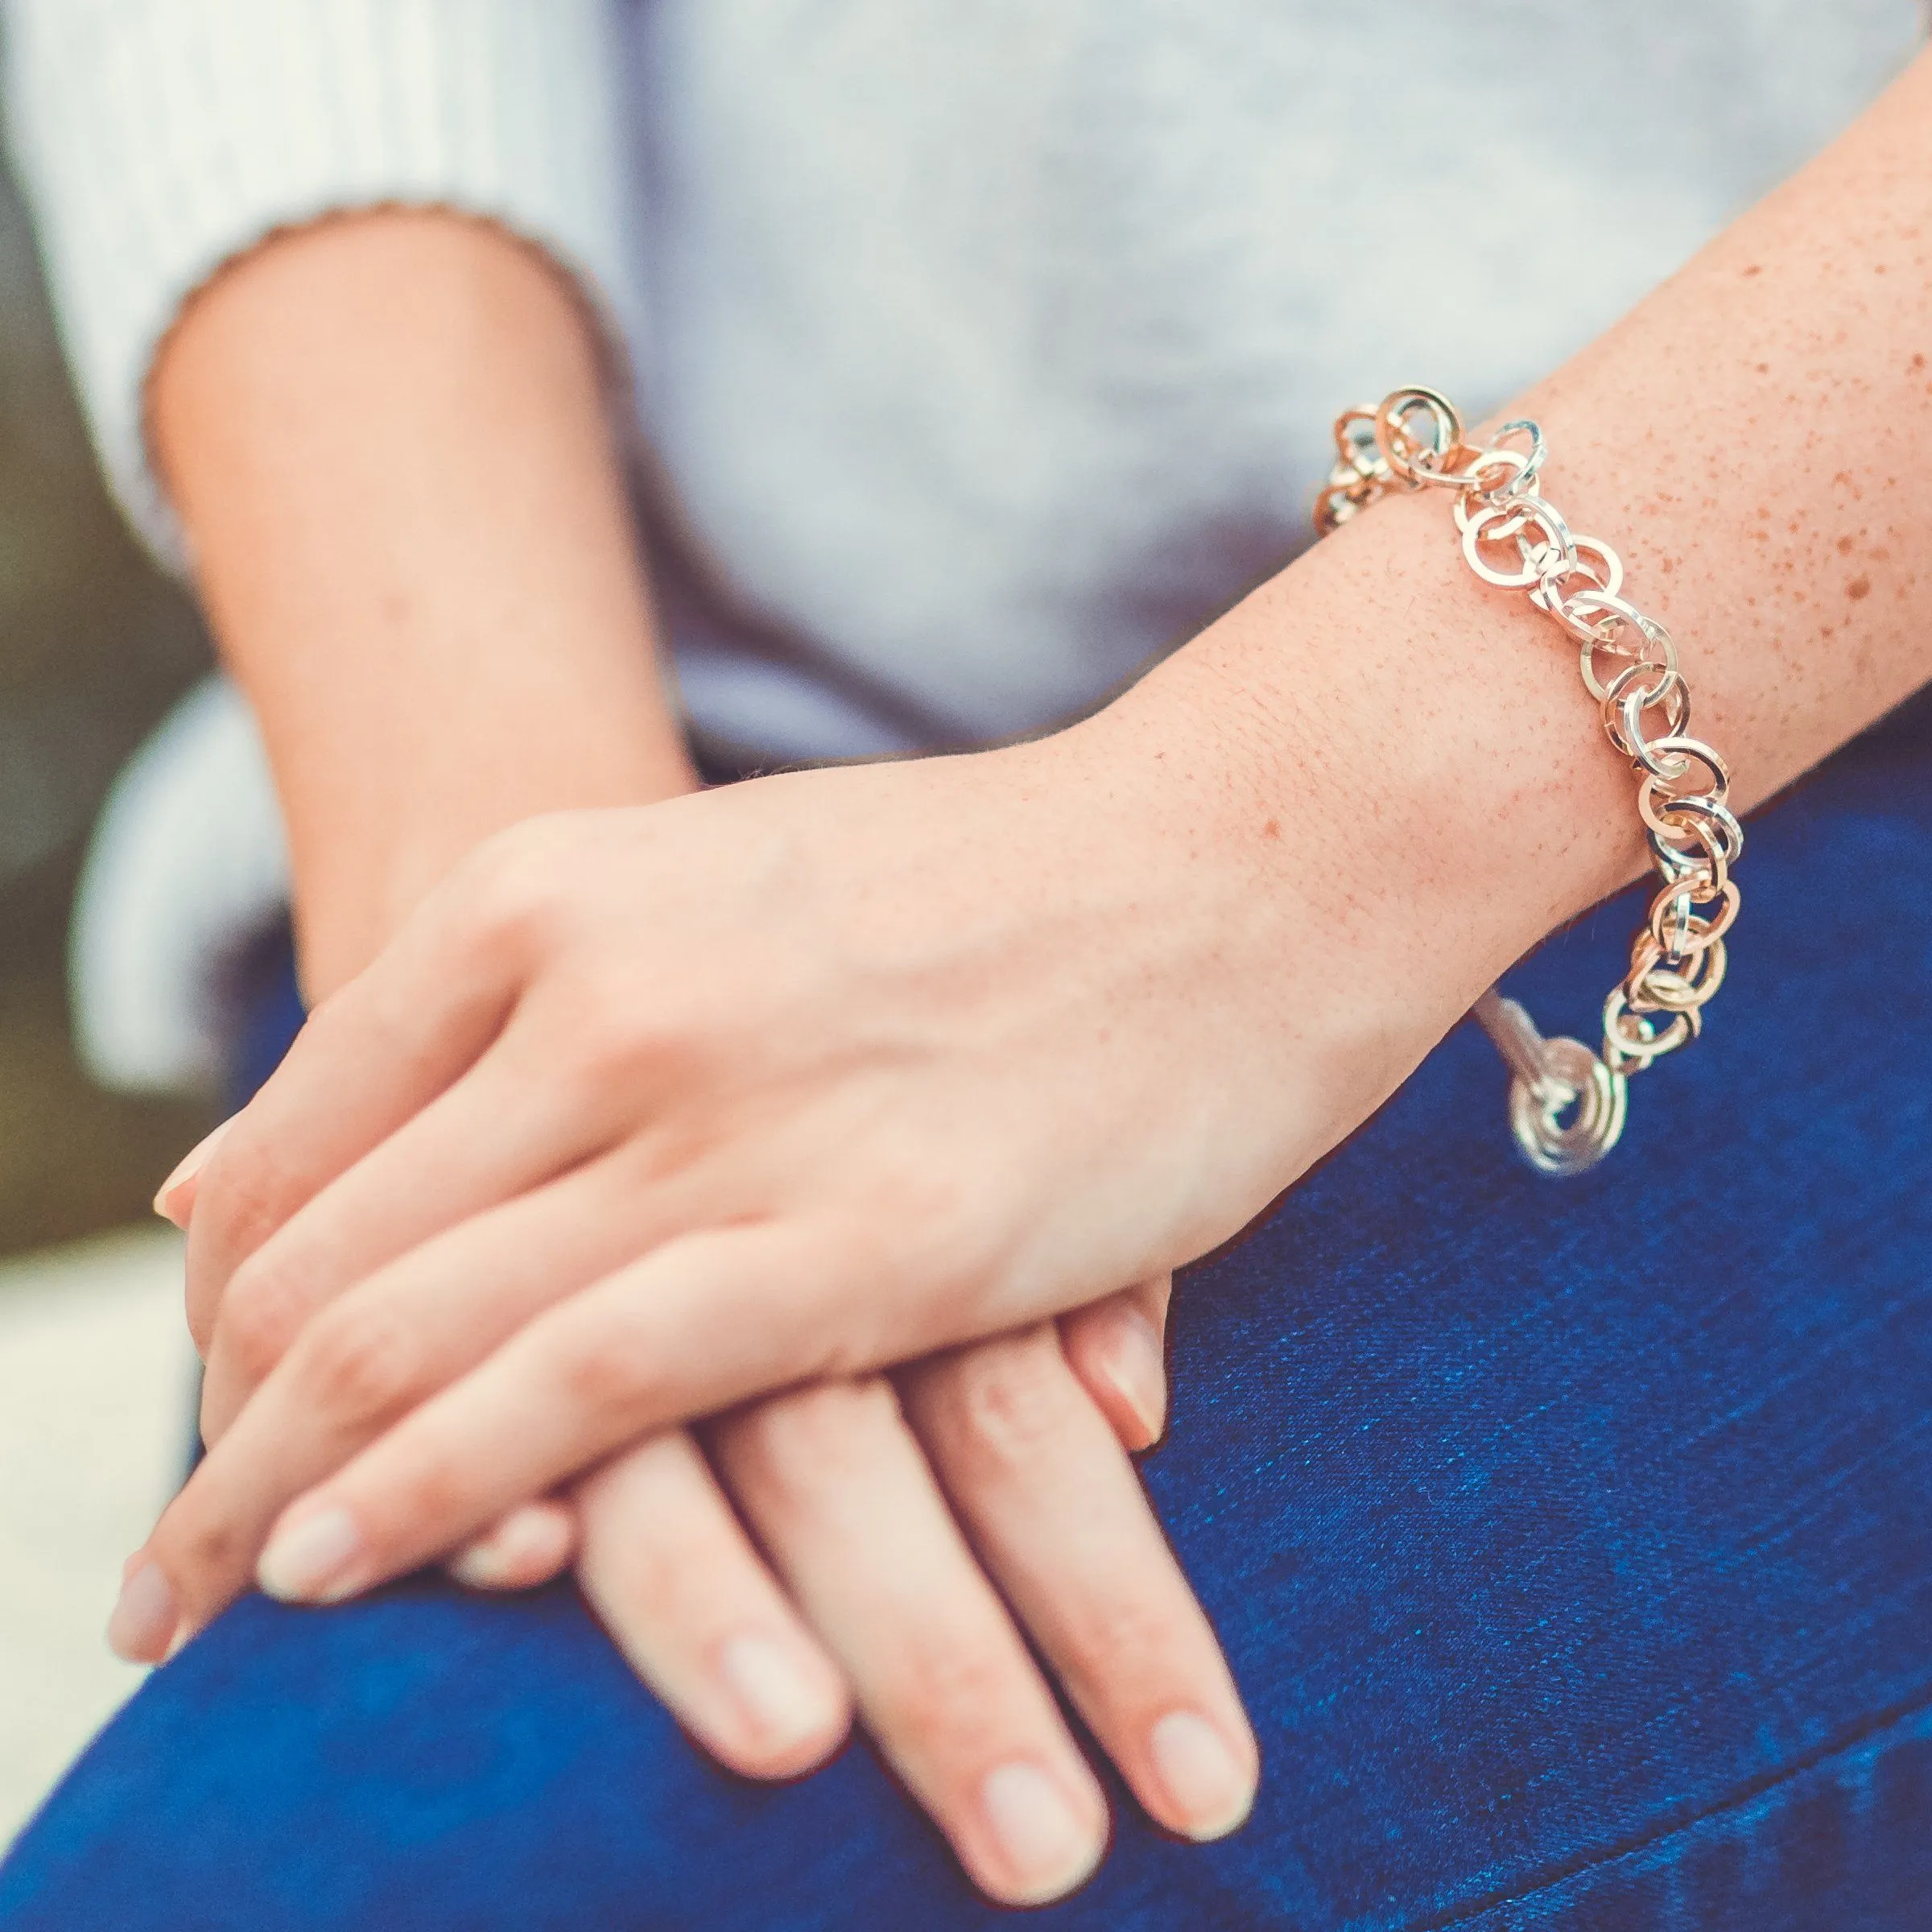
(890,1523)
(647,1112)
(386,435)
(896,1523)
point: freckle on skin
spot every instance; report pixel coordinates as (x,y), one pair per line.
(1272,829)
(1859,587)
(1844,546)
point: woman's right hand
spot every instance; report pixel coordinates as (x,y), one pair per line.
(878,1524)
(880,1528)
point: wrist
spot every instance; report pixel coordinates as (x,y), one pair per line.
(1374,740)
(358,874)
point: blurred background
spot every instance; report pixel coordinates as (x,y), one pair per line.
(95,645)
(96,1389)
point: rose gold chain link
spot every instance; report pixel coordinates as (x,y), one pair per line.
(1514,538)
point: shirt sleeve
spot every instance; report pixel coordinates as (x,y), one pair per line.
(157,139)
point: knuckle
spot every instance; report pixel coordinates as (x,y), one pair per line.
(950,1693)
(1006,1402)
(247,1193)
(201,1546)
(607,1376)
(514,892)
(849,1336)
(921,1220)
(846,1334)
(358,1363)
(820,1436)
(258,1318)
(1126,1640)
(619,1038)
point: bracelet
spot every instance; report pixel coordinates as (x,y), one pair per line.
(1514,538)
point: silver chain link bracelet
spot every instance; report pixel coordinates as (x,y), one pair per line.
(1514,538)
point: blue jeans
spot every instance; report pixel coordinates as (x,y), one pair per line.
(1572,1543)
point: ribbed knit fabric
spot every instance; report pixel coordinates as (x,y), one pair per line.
(165,136)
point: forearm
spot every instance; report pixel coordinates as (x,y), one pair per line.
(387,440)
(1751,440)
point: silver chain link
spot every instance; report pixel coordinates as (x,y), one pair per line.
(1515,538)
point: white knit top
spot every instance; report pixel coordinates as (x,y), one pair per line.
(983,349)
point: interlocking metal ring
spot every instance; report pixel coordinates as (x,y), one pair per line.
(1679,928)
(1531,462)
(1670,761)
(1516,514)
(1713,840)
(1675,988)
(1654,645)
(1574,1077)
(1413,462)
(1608,584)
(1677,960)
(1632,1040)
(1355,443)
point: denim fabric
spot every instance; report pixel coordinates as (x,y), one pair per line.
(1572,1543)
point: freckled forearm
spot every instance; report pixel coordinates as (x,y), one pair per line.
(1751,440)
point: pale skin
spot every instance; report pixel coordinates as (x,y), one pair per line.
(389,440)
(939,1051)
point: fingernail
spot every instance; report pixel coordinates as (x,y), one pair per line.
(483,1565)
(144,1616)
(310,1561)
(1208,1786)
(1136,1367)
(528,1546)
(783,1704)
(1048,1845)
(195,1161)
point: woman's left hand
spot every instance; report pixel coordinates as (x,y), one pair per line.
(646,1113)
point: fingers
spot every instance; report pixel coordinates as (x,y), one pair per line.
(1117,1351)
(702,1322)
(698,1325)
(561,1391)
(841,1499)
(372,1355)
(496,1135)
(535,1542)
(669,1569)
(372,1055)
(1061,1522)
(175,1198)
